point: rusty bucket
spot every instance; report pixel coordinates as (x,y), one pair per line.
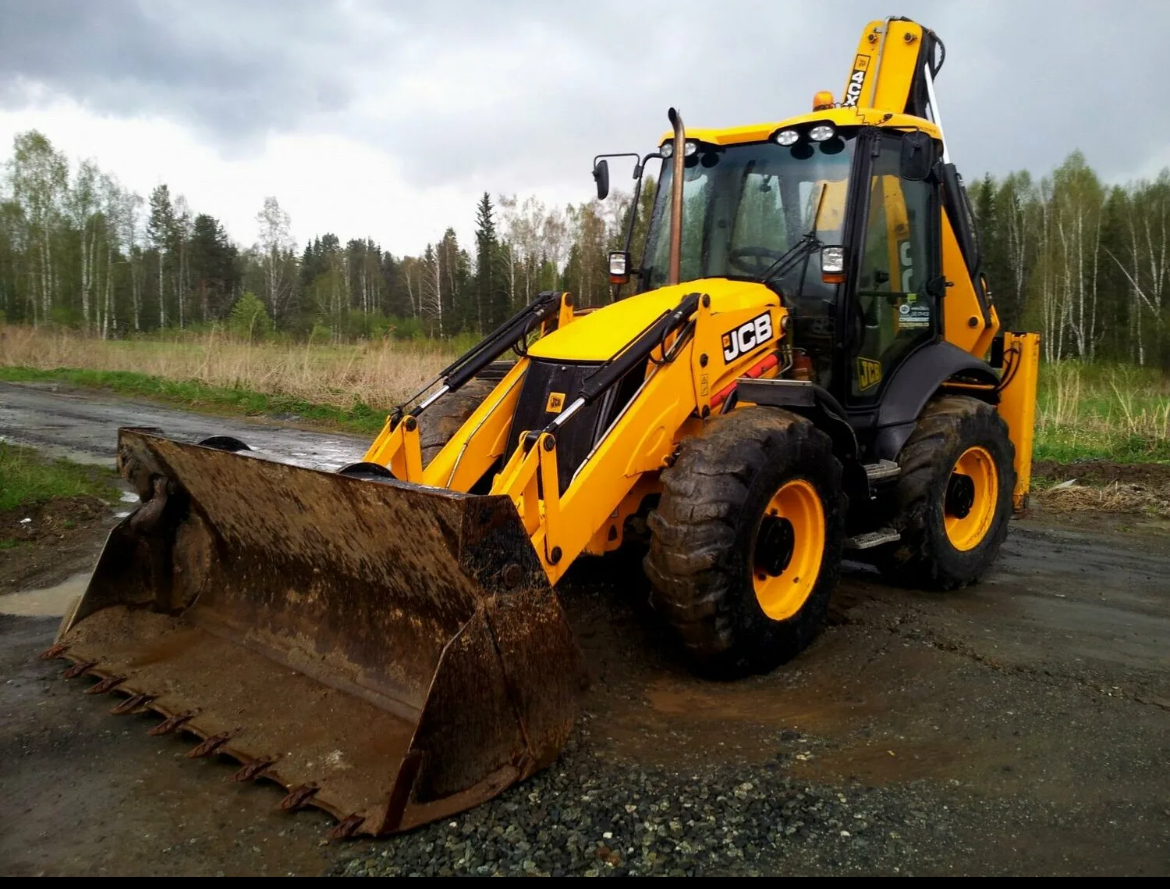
(389,653)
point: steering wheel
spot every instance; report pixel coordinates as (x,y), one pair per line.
(761,259)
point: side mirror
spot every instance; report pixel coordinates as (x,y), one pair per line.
(619,268)
(833,265)
(918,156)
(601,177)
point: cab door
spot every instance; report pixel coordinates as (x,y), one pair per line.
(898,253)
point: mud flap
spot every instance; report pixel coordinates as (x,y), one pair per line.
(392,654)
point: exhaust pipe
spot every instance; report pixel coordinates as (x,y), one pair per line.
(674,270)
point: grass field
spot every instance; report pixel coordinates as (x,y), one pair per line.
(1105,412)
(26,479)
(375,374)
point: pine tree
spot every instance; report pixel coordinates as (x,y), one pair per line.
(485,259)
(160,228)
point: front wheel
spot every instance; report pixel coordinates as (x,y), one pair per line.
(746,540)
(954,496)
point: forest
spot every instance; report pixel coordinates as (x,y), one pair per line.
(1082,261)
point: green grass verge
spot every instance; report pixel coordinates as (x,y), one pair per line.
(27,479)
(189,394)
(1075,446)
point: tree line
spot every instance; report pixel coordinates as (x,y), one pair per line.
(1082,262)
(79,249)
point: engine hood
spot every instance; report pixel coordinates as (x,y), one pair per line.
(601,333)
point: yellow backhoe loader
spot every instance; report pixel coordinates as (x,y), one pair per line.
(805,365)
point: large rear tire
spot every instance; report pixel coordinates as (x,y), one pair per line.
(954,496)
(746,540)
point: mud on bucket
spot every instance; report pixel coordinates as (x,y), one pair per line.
(389,653)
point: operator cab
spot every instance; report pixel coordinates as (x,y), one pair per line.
(836,222)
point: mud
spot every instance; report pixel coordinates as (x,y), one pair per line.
(1104,472)
(1031,712)
(47,543)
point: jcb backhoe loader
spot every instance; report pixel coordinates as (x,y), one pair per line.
(805,363)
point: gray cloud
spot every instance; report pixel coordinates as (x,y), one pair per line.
(521,95)
(231,70)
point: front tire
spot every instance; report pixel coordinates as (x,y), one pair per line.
(746,540)
(954,496)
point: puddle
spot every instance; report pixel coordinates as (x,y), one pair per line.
(54,601)
(129,497)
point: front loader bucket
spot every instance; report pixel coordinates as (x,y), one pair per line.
(389,653)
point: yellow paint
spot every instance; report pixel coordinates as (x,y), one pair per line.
(611,534)
(966,532)
(963,322)
(555,403)
(604,332)
(628,459)
(1017,405)
(782,595)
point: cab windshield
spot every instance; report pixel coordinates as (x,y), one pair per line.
(744,206)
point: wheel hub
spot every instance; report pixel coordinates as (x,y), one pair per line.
(777,542)
(960,495)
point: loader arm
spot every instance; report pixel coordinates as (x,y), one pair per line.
(679,389)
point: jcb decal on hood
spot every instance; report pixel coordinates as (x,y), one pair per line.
(747,336)
(856,81)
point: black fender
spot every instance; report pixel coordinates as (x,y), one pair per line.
(809,400)
(816,404)
(915,383)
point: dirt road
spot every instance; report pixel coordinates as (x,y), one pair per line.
(83,426)
(1018,727)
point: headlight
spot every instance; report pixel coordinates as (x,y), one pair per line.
(617,264)
(821,133)
(833,260)
(786,137)
(690,148)
(667,149)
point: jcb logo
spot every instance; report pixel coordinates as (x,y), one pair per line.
(869,373)
(556,402)
(856,81)
(746,337)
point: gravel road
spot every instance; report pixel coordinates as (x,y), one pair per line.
(1017,727)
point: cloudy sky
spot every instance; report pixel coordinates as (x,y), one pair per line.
(387,119)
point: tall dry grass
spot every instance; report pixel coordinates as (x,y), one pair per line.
(379,374)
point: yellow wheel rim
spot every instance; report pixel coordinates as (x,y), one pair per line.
(970,498)
(789,546)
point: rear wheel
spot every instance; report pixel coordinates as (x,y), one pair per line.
(746,540)
(954,495)
(438,423)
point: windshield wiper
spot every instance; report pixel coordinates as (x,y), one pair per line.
(797,253)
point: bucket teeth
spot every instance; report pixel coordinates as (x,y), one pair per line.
(132,704)
(172,724)
(346,828)
(79,669)
(298,797)
(107,684)
(251,771)
(210,745)
(54,652)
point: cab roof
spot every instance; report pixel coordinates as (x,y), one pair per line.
(838,117)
